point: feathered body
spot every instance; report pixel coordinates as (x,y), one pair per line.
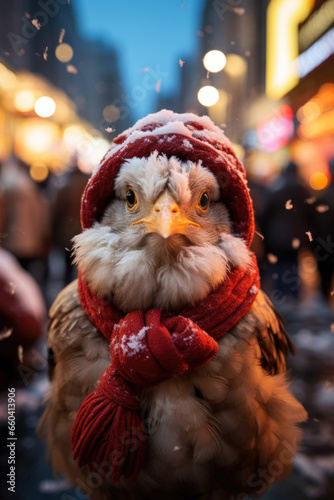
(228,427)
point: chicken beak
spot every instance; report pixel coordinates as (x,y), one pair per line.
(165,218)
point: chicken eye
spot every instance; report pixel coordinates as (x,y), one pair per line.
(204,201)
(131,199)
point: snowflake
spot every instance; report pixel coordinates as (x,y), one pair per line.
(187,144)
(272,258)
(134,344)
(35,23)
(309,235)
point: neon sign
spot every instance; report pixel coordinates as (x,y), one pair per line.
(321,50)
(276,129)
(283,18)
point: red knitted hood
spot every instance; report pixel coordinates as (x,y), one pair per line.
(186,137)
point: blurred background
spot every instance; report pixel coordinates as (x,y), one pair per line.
(73,75)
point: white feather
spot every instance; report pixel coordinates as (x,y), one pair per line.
(236,250)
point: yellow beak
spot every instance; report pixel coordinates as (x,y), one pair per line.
(165,218)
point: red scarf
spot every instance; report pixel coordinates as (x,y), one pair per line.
(146,349)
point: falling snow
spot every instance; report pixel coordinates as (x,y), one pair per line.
(4,334)
(61,35)
(52,486)
(295,243)
(328,385)
(71,69)
(239,11)
(20,353)
(309,235)
(322,208)
(35,23)
(272,258)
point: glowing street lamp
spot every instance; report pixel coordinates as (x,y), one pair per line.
(45,107)
(208,95)
(214,61)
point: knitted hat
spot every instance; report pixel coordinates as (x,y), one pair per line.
(186,137)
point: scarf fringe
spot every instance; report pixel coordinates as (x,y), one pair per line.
(108,436)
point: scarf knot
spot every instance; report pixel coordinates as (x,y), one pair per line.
(147,349)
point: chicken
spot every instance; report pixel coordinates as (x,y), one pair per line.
(167,363)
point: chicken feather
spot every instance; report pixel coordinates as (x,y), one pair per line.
(227,427)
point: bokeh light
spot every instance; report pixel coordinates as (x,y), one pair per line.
(39,172)
(111,113)
(64,52)
(236,66)
(45,107)
(208,95)
(38,138)
(7,78)
(308,112)
(90,154)
(24,100)
(318,181)
(214,61)
(73,135)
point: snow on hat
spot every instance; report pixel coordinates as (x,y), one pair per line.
(186,137)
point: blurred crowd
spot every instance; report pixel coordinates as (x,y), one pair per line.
(294,240)
(294,244)
(37,223)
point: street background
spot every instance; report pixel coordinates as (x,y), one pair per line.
(73,75)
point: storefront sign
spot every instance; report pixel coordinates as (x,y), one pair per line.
(283,19)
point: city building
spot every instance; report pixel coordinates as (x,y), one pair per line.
(42,36)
